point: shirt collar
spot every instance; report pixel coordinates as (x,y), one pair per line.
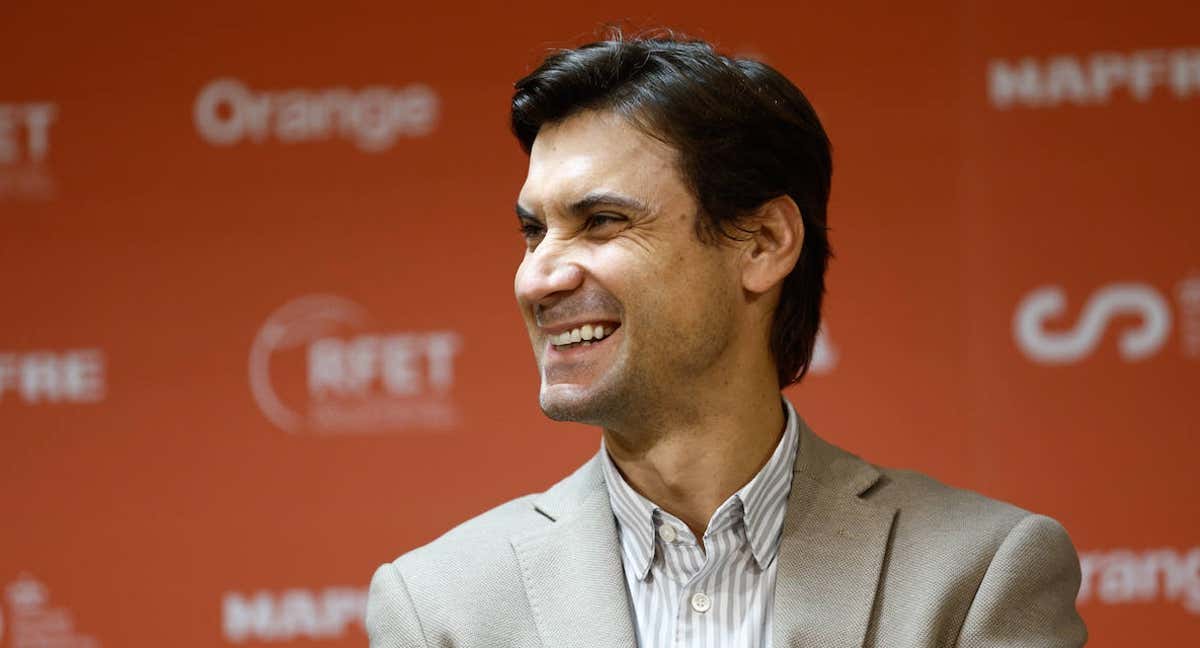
(764,498)
(635,517)
(763,504)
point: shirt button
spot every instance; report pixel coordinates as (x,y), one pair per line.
(668,533)
(701,602)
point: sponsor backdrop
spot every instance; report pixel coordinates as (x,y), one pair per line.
(258,331)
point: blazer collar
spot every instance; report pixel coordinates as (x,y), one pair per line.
(832,550)
(572,568)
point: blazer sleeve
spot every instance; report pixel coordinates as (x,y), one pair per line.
(391,615)
(1027,596)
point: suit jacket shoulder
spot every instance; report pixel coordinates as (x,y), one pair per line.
(468,581)
(921,563)
(963,569)
(927,507)
(934,513)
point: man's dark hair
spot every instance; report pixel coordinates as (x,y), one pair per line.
(744,134)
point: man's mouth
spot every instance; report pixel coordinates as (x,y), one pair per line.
(584,335)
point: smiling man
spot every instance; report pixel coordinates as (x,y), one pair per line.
(673,217)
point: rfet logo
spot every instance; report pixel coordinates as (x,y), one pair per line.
(1145,307)
(24,147)
(321,365)
(25,131)
(227,112)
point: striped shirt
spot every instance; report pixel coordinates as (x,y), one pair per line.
(721,596)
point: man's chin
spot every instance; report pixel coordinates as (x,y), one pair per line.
(574,402)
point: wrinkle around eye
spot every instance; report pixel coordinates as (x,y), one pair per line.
(531,229)
(605,223)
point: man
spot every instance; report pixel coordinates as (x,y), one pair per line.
(674,222)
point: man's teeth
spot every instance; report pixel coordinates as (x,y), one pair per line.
(585,333)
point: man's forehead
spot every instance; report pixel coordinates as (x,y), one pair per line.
(590,154)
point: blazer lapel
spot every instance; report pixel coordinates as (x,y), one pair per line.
(572,568)
(832,549)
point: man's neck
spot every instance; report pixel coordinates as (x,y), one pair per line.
(690,469)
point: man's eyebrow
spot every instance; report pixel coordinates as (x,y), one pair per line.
(590,202)
(607,198)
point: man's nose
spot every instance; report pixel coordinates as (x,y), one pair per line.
(546,274)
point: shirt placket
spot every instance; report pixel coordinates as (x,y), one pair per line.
(694,571)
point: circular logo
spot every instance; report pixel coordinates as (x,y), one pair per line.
(320,365)
(296,324)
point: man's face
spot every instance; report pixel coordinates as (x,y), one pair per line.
(612,251)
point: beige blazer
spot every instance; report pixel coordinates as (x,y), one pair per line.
(869,557)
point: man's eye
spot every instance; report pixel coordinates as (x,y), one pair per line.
(531,230)
(600,220)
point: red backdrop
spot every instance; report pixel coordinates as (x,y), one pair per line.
(258,332)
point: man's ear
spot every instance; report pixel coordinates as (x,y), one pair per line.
(774,247)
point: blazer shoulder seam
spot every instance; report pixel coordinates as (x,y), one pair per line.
(991,560)
(411,602)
